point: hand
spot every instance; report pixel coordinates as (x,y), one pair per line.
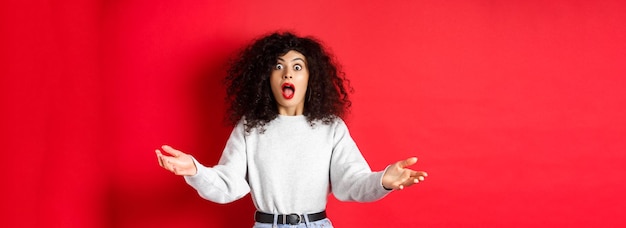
(397,176)
(179,163)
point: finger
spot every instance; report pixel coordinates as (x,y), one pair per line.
(172,161)
(401,183)
(172,151)
(159,157)
(409,182)
(169,163)
(408,162)
(165,160)
(418,174)
(415,179)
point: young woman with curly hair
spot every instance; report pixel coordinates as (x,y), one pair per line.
(289,147)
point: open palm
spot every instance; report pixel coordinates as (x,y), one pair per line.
(397,176)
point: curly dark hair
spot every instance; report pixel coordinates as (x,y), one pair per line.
(249,93)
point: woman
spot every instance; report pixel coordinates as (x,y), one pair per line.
(289,146)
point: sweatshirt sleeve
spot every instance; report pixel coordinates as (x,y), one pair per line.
(225,182)
(351,177)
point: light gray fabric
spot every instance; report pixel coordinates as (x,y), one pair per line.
(290,168)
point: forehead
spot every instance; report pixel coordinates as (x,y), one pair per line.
(291,56)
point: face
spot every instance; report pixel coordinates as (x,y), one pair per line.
(289,81)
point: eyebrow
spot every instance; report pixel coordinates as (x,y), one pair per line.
(293,60)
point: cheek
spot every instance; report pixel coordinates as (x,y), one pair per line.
(274,77)
(303,83)
(274,82)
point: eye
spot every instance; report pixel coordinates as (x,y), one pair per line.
(278,66)
(297,67)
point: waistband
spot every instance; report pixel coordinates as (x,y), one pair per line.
(292,219)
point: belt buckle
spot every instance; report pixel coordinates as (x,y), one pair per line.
(293,219)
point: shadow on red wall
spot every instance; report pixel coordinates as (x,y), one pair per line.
(165,199)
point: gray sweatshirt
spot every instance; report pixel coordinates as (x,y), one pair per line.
(290,168)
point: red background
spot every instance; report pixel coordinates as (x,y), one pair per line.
(515,108)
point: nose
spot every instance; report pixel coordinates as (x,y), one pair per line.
(287,75)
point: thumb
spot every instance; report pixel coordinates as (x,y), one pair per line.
(172,151)
(408,162)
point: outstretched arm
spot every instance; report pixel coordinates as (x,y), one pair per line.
(397,176)
(178,163)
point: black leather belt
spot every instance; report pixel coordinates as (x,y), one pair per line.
(292,219)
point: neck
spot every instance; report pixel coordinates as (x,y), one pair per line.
(291,111)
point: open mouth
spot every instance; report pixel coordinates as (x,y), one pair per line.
(288,90)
